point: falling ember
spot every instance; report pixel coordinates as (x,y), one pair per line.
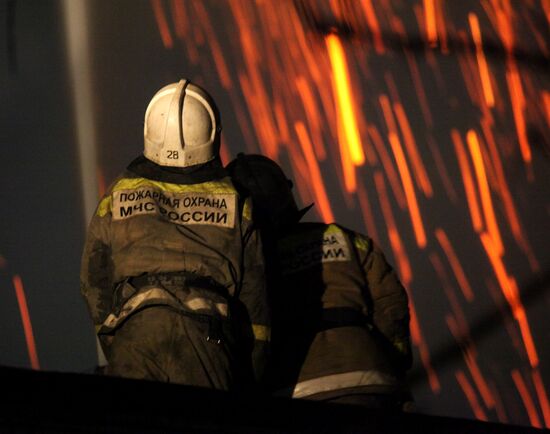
(419,170)
(546,102)
(316,178)
(470,395)
(26,319)
(455,264)
(162,23)
(526,398)
(395,240)
(467,177)
(485,194)
(373,25)
(518,104)
(484,73)
(543,397)
(341,85)
(405,174)
(511,293)
(431,22)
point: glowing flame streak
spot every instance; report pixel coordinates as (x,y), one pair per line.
(546,102)
(405,174)
(388,166)
(308,101)
(518,105)
(455,264)
(348,168)
(316,178)
(179,18)
(470,395)
(431,22)
(216,50)
(419,88)
(484,73)
(26,319)
(374,27)
(526,398)
(467,178)
(367,213)
(470,358)
(162,23)
(419,171)
(485,194)
(458,324)
(252,86)
(511,293)
(442,170)
(404,266)
(479,380)
(442,28)
(543,397)
(342,91)
(509,208)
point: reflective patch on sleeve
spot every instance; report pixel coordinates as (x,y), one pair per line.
(104,206)
(361,243)
(247,209)
(180,204)
(313,249)
(261,332)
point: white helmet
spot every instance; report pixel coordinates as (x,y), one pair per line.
(182,126)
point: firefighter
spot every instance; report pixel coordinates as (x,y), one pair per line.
(172,268)
(340,315)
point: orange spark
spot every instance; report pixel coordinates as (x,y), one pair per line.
(470,395)
(458,323)
(419,171)
(546,102)
(543,397)
(484,73)
(419,88)
(405,174)
(216,50)
(310,105)
(431,22)
(479,380)
(485,194)
(162,23)
(26,319)
(509,208)
(442,169)
(518,105)
(393,232)
(388,166)
(467,178)
(341,85)
(442,29)
(316,178)
(179,18)
(367,213)
(455,264)
(374,27)
(511,293)
(526,398)
(348,168)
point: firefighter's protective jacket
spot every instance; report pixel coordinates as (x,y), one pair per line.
(340,315)
(154,221)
